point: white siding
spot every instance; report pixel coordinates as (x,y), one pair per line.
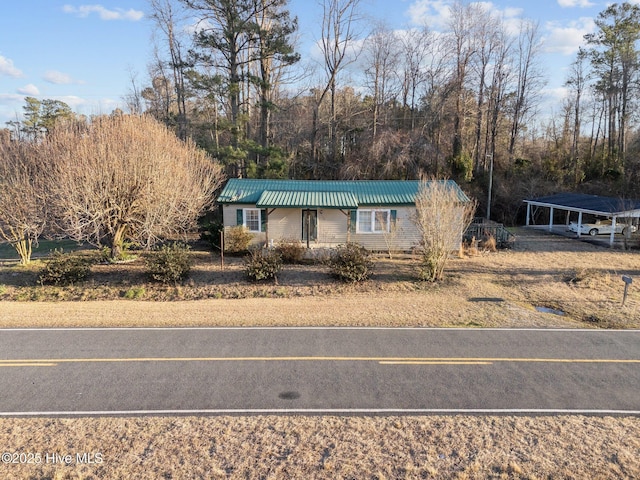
(286,224)
(332,227)
(229,219)
(403,238)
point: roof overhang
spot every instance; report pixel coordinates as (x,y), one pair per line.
(310,199)
(596,205)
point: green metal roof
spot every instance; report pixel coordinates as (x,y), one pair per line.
(296,199)
(324,193)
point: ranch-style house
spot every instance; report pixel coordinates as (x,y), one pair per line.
(377,214)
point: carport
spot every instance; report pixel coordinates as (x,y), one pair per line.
(608,207)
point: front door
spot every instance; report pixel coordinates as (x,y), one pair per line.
(309,226)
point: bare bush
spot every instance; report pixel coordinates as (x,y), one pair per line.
(127,178)
(490,244)
(442,216)
(291,250)
(22,207)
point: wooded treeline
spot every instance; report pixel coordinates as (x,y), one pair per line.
(375,103)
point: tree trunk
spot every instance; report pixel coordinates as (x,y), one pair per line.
(117,241)
(23,247)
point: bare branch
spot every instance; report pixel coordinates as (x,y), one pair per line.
(127,177)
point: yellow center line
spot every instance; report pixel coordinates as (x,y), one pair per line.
(382,360)
(442,362)
(26,364)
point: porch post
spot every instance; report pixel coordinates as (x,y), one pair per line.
(308,219)
(579,224)
(528,213)
(613,231)
(551,219)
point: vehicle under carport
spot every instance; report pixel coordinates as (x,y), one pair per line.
(615,209)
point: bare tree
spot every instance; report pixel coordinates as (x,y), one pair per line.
(127,178)
(133,98)
(381,57)
(497,95)
(339,34)
(415,51)
(442,216)
(487,41)
(435,97)
(576,82)
(22,206)
(159,96)
(166,15)
(462,25)
(529,79)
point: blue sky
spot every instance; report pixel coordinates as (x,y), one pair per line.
(83,52)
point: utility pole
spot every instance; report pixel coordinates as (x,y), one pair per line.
(490,156)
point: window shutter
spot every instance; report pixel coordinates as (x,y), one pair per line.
(239,219)
(394,215)
(263,220)
(352,220)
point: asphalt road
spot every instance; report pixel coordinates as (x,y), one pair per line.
(323,370)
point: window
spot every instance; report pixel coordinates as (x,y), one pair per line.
(373,221)
(251,219)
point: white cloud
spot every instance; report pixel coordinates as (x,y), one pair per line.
(433,13)
(73,101)
(556,95)
(575,3)
(84,11)
(30,90)
(436,14)
(7,68)
(566,39)
(10,104)
(58,78)
(10,98)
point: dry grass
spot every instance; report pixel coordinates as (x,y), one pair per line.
(436,447)
(487,289)
(493,289)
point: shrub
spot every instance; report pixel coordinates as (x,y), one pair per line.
(263,264)
(441,217)
(237,239)
(428,265)
(64,269)
(135,293)
(292,251)
(170,263)
(351,263)
(210,233)
(490,244)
